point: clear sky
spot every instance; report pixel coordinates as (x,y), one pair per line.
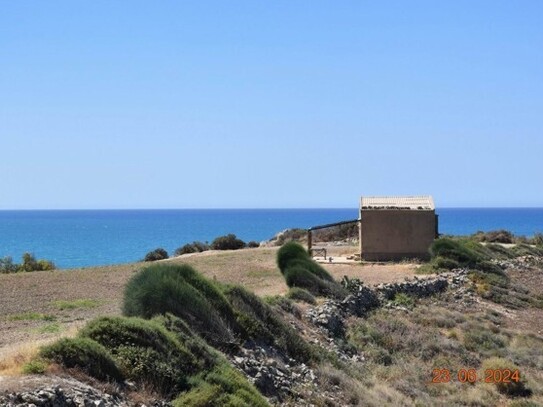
(231,104)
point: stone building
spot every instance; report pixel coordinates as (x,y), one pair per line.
(396,227)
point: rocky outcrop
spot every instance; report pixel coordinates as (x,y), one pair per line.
(273,374)
(75,395)
(416,288)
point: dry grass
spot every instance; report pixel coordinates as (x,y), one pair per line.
(14,360)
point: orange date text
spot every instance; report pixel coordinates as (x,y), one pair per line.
(472,376)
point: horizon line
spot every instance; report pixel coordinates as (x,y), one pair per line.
(246,208)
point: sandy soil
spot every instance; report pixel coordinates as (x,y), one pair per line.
(38,292)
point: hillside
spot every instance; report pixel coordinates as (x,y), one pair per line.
(381,345)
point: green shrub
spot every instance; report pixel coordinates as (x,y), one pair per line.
(194,247)
(228,242)
(85,354)
(252,244)
(301,271)
(45,265)
(8,266)
(35,366)
(513,388)
(262,324)
(454,250)
(157,254)
(205,354)
(499,251)
(29,262)
(221,386)
(495,236)
(301,277)
(288,252)
(180,290)
(314,267)
(479,339)
(538,239)
(445,263)
(524,249)
(283,303)
(403,300)
(145,352)
(299,294)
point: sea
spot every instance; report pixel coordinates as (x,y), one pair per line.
(83,238)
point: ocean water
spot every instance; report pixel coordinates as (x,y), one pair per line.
(80,238)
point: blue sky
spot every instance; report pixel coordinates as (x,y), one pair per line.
(235,104)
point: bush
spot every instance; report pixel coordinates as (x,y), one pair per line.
(499,251)
(85,354)
(222,386)
(31,264)
(403,300)
(180,290)
(445,263)
(7,265)
(314,267)
(301,271)
(205,354)
(228,242)
(157,254)
(524,249)
(194,247)
(288,252)
(303,278)
(538,239)
(145,352)
(454,250)
(35,366)
(262,324)
(252,244)
(299,294)
(479,339)
(495,236)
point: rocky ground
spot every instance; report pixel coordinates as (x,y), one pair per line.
(284,381)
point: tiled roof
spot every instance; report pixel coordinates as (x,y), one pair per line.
(422,202)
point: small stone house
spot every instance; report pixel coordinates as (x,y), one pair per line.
(396,227)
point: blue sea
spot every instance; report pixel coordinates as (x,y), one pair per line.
(80,238)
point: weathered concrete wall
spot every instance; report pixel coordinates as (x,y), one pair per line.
(396,234)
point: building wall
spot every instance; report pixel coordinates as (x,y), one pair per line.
(396,234)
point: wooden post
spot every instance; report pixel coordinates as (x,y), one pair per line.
(309,242)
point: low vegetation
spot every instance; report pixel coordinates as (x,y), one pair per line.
(227,242)
(179,327)
(29,263)
(31,316)
(82,303)
(194,247)
(299,294)
(157,254)
(301,271)
(180,290)
(173,312)
(490,279)
(505,236)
